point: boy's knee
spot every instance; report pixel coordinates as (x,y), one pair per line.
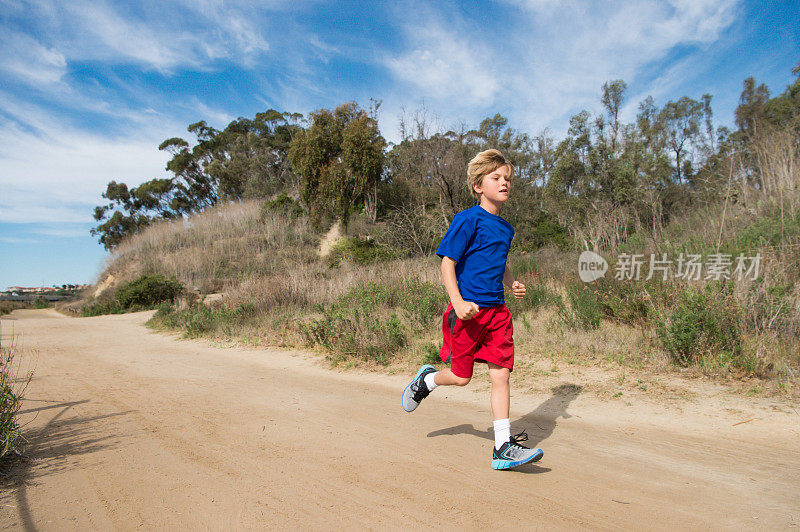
(462,381)
(500,376)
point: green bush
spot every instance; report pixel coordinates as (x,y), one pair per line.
(148,291)
(360,251)
(431,353)
(41,302)
(420,302)
(365,323)
(6,307)
(199,320)
(622,301)
(99,308)
(11,392)
(704,328)
(538,229)
(766,231)
(632,302)
(537,296)
(584,310)
(283,204)
(357,333)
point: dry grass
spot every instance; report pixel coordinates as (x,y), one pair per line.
(314,283)
(217,248)
(541,335)
(250,256)
(777,157)
(6,307)
(274,285)
(265,264)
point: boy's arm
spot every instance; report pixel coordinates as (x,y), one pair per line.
(465,310)
(517,288)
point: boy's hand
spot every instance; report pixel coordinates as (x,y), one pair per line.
(466,310)
(518,289)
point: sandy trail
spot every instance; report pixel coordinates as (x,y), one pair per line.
(129,429)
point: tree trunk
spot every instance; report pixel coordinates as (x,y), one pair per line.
(371,202)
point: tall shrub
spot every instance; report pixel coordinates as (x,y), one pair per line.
(703,327)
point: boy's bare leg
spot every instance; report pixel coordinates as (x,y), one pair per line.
(425,381)
(507,451)
(445,377)
(501,391)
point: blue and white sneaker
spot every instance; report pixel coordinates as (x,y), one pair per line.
(512,454)
(416,390)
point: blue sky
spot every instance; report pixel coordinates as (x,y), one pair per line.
(89,89)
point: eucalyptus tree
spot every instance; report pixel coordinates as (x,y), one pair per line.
(681,120)
(339,158)
(247,158)
(613,94)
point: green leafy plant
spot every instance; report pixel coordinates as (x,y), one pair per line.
(583,310)
(200,320)
(148,291)
(537,296)
(41,302)
(360,251)
(632,302)
(366,322)
(538,229)
(356,333)
(283,204)
(12,388)
(99,308)
(704,328)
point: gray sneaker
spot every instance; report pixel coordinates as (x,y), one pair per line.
(416,390)
(512,454)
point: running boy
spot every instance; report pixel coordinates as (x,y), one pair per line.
(477,325)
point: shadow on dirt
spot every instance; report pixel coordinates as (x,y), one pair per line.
(539,424)
(47,450)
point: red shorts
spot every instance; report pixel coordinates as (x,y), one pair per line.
(487,337)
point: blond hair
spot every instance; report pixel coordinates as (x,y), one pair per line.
(483,164)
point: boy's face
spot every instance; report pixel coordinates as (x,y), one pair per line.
(495,186)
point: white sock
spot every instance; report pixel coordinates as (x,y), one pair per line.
(429,381)
(502,432)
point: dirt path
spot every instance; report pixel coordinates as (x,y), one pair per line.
(330,238)
(132,429)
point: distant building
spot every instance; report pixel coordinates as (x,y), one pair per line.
(19,290)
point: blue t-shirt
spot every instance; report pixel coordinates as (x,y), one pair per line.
(478,241)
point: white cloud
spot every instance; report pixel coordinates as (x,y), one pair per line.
(444,65)
(160,35)
(114,35)
(25,58)
(552,58)
(62,230)
(233,27)
(217,118)
(586,47)
(548,61)
(16,240)
(50,172)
